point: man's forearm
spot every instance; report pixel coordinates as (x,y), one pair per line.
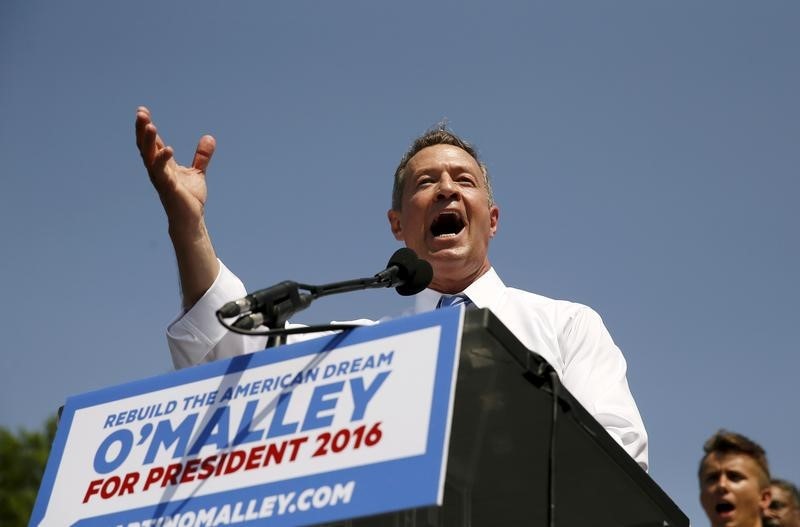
(197,261)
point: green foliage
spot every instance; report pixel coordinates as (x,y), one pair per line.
(23,457)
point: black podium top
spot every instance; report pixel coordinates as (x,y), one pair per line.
(501,450)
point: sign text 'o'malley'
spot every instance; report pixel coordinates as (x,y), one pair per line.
(252,436)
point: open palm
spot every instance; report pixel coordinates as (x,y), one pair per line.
(182,189)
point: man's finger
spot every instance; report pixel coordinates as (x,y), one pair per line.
(205,149)
(158,168)
(140,124)
(148,144)
(143,118)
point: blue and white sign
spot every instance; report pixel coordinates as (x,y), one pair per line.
(337,427)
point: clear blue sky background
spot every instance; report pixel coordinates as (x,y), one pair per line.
(645,157)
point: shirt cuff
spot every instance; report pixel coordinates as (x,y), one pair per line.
(195,332)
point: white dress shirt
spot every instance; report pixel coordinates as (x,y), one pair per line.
(570,336)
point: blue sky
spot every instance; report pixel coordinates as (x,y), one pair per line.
(644,157)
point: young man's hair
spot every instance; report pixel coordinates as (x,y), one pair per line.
(789,488)
(438,135)
(726,442)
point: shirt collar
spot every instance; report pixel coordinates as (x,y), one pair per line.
(486,291)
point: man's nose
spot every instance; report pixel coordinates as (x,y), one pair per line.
(448,188)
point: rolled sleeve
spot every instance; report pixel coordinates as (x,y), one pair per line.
(196,336)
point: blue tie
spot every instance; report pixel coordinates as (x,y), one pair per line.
(453,300)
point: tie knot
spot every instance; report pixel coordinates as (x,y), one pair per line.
(452,300)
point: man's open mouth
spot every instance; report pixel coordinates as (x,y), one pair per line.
(447,223)
(724,507)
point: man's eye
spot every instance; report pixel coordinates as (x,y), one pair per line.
(467,181)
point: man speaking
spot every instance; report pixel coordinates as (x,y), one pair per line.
(443,209)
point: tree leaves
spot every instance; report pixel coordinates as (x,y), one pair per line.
(23,457)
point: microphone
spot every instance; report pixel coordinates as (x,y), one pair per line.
(275,294)
(406,272)
(420,279)
(403,270)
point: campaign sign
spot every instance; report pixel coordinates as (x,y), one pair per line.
(337,427)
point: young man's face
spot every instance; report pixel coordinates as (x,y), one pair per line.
(732,490)
(445,216)
(783,511)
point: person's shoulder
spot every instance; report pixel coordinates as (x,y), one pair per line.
(562,314)
(559,312)
(545,302)
(549,319)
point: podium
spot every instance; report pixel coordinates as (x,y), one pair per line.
(389,417)
(499,451)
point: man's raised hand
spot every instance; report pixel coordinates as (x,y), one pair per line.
(182,189)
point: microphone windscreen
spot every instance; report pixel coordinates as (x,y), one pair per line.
(422,274)
(406,261)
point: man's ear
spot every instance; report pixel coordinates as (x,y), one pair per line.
(394,224)
(766,499)
(494,218)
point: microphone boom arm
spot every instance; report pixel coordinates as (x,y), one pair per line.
(272,307)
